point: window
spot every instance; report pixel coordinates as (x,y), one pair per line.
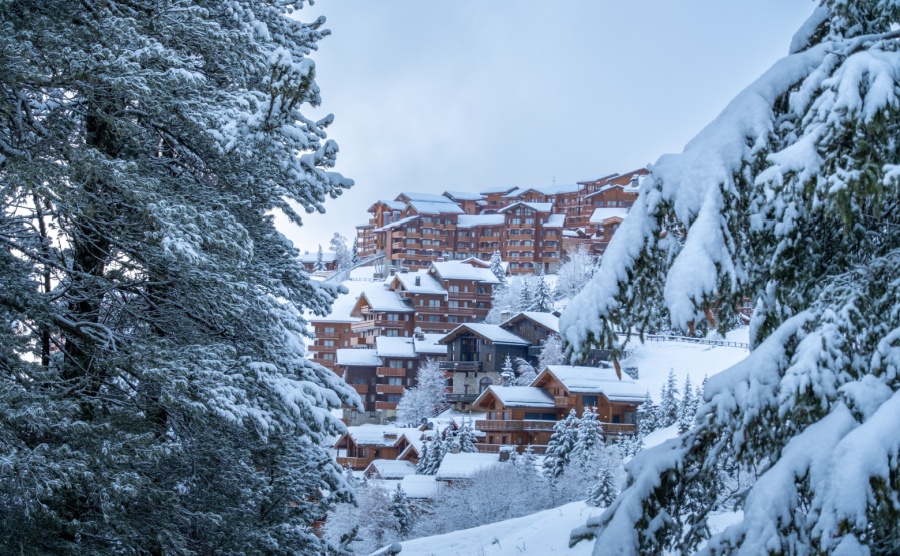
(590,401)
(484,383)
(434,302)
(328,356)
(453,319)
(453,289)
(328,343)
(395,381)
(434,318)
(395,364)
(393,333)
(328,330)
(393,316)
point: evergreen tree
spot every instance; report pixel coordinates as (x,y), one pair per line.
(589,438)
(525,372)
(320,261)
(687,407)
(422,400)
(403,516)
(354,253)
(551,353)
(497,269)
(604,490)
(667,412)
(789,197)
(342,256)
(646,417)
(424,458)
(526,297)
(543,297)
(466,438)
(561,445)
(506,371)
(574,273)
(154,392)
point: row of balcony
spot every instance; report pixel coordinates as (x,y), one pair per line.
(494,425)
(461,366)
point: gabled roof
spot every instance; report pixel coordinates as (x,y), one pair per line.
(427,197)
(390,468)
(558,189)
(376,435)
(463,195)
(398,223)
(464,465)
(547,320)
(473,220)
(601,215)
(379,299)
(311,258)
(516,396)
(538,207)
(393,205)
(430,207)
(491,332)
(594,380)
(459,270)
(343,305)
(428,344)
(519,191)
(604,178)
(426,283)
(350,357)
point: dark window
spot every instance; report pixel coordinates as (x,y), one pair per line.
(590,400)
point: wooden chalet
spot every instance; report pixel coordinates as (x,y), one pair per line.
(361,445)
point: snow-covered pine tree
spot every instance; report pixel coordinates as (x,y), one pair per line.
(789,197)
(403,516)
(526,296)
(320,261)
(153,385)
(342,255)
(574,273)
(589,437)
(543,297)
(551,353)
(422,400)
(667,411)
(560,446)
(424,456)
(466,438)
(604,490)
(525,373)
(686,407)
(354,252)
(507,372)
(646,417)
(497,270)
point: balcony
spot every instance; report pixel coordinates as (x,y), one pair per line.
(353,463)
(362,341)
(461,398)
(390,371)
(495,448)
(494,425)
(617,429)
(461,366)
(327,335)
(389,388)
(360,388)
(387,406)
(564,401)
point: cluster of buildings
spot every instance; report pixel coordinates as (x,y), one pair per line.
(530,227)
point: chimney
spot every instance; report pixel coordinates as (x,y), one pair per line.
(506,378)
(418,280)
(393,271)
(505,316)
(454,447)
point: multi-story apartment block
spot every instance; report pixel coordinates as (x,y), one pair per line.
(526,225)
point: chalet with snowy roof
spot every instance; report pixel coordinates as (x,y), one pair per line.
(309,261)
(534,327)
(360,445)
(390,469)
(475,356)
(464,466)
(523,415)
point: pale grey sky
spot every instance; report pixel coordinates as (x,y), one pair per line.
(470,94)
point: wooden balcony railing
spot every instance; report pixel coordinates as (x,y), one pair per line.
(495,425)
(564,401)
(386,405)
(389,388)
(353,463)
(360,388)
(460,366)
(390,371)
(617,429)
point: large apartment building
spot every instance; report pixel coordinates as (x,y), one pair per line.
(530,227)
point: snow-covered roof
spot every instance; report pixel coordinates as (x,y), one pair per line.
(594,380)
(426,283)
(350,357)
(419,486)
(343,305)
(558,189)
(464,465)
(518,191)
(463,195)
(555,221)
(391,468)
(397,224)
(376,435)
(499,189)
(603,214)
(518,396)
(394,347)
(311,258)
(428,345)
(380,299)
(393,205)
(547,320)
(458,270)
(427,197)
(538,207)
(472,220)
(428,207)
(492,332)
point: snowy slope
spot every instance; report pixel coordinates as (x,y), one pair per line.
(654,359)
(545,532)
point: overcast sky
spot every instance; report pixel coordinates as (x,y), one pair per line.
(470,94)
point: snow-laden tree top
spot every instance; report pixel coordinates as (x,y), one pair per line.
(790,197)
